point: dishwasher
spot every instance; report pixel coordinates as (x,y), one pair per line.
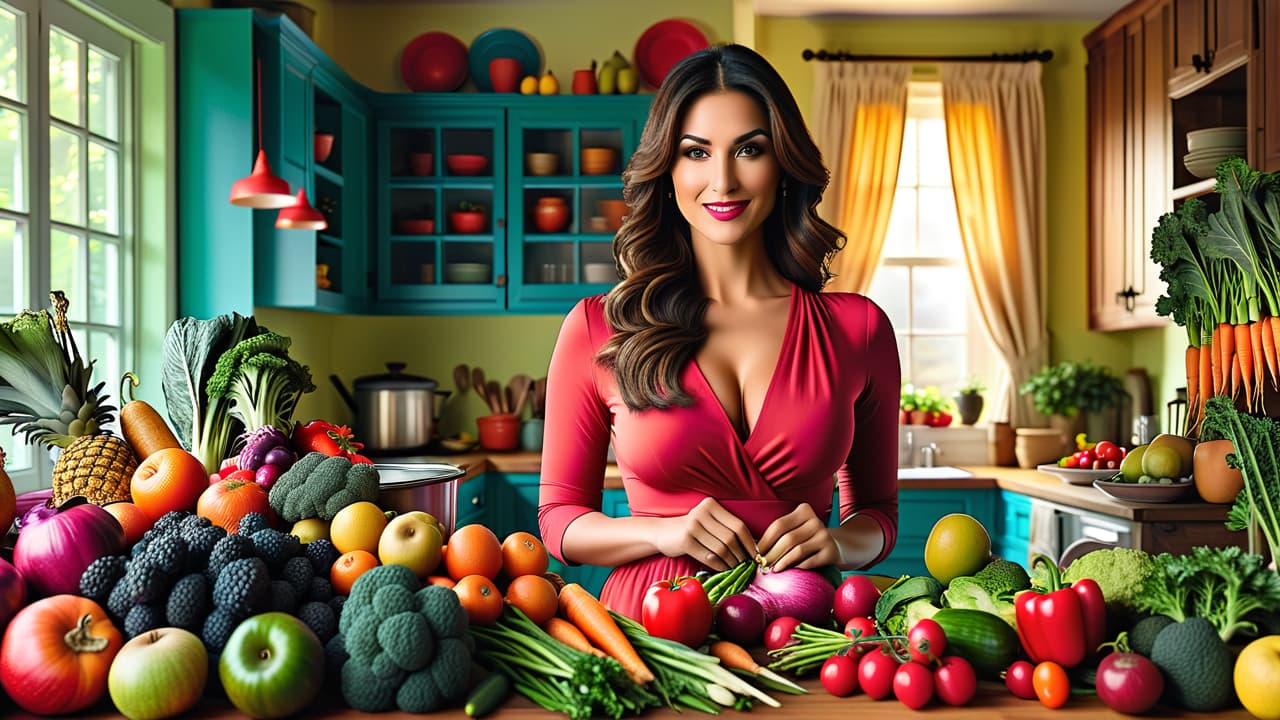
(1056,528)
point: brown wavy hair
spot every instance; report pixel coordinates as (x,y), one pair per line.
(658,309)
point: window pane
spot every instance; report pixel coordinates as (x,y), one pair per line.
(938,361)
(104,282)
(12,60)
(887,291)
(940,298)
(64,77)
(104,201)
(17,453)
(103,94)
(935,166)
(66,190)
(104,347)
(13,160)
(907,165)
(13,257)
(900,238)
(67,271)
(939,226)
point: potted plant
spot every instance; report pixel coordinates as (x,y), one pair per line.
(1066,392)
(468,219)
(969,400)
(923,407)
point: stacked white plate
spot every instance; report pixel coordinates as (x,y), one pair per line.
(1210,146)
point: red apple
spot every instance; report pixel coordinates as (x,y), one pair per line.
(158,674)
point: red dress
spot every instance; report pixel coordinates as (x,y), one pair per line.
(831,411)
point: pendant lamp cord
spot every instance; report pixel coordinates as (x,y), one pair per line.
(259,107)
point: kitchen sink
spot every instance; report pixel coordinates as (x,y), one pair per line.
(941,472)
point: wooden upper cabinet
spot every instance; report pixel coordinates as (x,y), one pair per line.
(1209,38)
(1266,87)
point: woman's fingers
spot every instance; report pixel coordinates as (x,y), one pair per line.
(741,542)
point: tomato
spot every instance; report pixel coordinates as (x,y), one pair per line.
(840,675)
(913,685)
(778,634)
(856,597)
(861,627)
(875,673)
(1018,679)
(1052,685)
(1067,462)
(927,641)
(677,610)
(955,681)
(1107,450)
(1129,683)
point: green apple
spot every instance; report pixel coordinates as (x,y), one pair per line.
(272,666)
(1131,465)
(158,674)
(412,540)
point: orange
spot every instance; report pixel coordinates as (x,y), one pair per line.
(168,479)
(480,598)
(473,550)
(348,567)
(131,518)
(358,526)
(535,596)
(523,554)
(439,580)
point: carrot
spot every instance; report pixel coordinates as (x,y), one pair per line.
(1255,344)
(1226,349)
(569,634)
(1235,376)
(142,427)
(1207,353)
(1273,332)
(1192,362)
(1215,362)
(1244,358)
(582,609)
(736,657)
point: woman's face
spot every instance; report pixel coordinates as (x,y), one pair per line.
(725,175)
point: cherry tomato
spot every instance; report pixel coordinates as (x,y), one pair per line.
(856,597)
(955,681)
(840,675)
(778,634)
(1067,462)
(913,684)
(927,641)
(1018,679)
(861,627)
(1106,450)
(1052,685)
(875,674)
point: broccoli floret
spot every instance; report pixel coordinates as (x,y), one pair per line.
(141,618)
(367,692)
(320,618)
(227,550)
(443,611)
(217,629)
(451,668)
(101,577)
(1002,578)
(319,485)
(251,523)
(261,380)
(321,590)
(407,640)
(392,600)
(281,597)
(322,555)
(297,571)
(368,584)
(420,693)
(361,634)
(384,667)
(145,582)
(169,553)
(1121,574)
(200,542)
(275,547)
(188,602)
(242,587)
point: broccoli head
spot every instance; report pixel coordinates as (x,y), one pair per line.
(261,380)
(1120,572)
(320,485)
(1002,578)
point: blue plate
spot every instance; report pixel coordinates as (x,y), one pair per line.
(502,43)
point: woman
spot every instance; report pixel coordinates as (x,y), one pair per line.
(732,389)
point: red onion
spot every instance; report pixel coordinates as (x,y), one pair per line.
(55,545)
(13,592)
(29,500)
(801,594)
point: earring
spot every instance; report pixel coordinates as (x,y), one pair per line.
(784,188)
(669,195)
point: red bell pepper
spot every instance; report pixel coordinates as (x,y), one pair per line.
(329,439)
(1066,624)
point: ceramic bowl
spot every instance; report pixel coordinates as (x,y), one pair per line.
(1232,136)
(422,163)
(600,273)
(613,211)
(466,164)
(598,160)
(1076,476)
(416,227)
(324,146)
(540,163)
(1151,493)
(468,223)
(466,273)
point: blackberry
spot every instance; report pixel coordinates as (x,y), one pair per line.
(119,602)
(140,546)
(281,597)
(145,582)
(226,551)
(335,604)
(217,628)
(275,547)
(251,523)
(200,544)
(188,602)
(169,522)
(320,618)
(141,618)
(101,576)
(322,555)
(242,586)
(298,573)
(194,522)
(321,590)
(169,553)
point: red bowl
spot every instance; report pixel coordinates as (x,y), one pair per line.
(468,223)
(434,62)
(466,164)
(324,146)
(416,227)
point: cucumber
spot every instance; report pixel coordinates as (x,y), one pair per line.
(492,691)
(986,641)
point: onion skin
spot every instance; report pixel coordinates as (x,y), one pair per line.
(13,592)
(801,594)
(56,545)
(29,500)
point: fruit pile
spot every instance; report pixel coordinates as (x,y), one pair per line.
(1163,461)
(1101,455)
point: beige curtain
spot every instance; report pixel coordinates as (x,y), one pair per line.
(995,137)
(859,112)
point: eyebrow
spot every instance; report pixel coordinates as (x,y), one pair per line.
(740,139)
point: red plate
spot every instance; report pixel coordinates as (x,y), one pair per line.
(664,44)
(434,62)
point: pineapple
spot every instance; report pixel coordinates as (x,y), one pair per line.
(45,393)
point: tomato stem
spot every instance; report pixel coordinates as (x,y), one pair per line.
(79,639)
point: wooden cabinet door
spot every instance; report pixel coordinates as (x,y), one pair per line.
(1190,39)
(1266,92)
(1231,34)
(1106,127)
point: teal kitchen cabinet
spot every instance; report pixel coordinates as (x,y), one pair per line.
(1013,527)
(234,258)
(918,510)
(471,502)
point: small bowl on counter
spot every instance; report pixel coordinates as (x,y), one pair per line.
(1145,493)
(1076,476)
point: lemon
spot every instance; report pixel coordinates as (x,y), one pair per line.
(958,545)
(358,526)
(310,529)
(1161,461)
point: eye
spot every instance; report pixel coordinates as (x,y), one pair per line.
(750,150)
(696,153)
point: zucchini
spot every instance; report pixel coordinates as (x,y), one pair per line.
(492,691)
(986,641)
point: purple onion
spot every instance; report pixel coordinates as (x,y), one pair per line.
(267,475)
(282,456)
(56,545)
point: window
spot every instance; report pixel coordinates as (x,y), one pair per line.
(65,174)
(921,282)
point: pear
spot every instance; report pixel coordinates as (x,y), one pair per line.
(628,80)
(616,61)
(548,84)
(607,84)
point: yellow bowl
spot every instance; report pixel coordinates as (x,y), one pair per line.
(598,160)
(540,163)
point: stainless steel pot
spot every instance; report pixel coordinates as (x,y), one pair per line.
(430,487)
(394,412)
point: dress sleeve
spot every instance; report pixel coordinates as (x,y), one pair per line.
(576,435)
(868,480)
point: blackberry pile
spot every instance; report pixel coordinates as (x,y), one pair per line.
(186,572)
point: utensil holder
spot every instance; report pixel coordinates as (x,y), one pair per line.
(499,432)
(531,434)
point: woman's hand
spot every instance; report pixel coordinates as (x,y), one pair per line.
(710,535)
(798,539)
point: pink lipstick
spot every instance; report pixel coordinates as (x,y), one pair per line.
(726,210)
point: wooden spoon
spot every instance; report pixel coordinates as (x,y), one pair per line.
(478,384)
(494,391)
(519,387)
(540,397)
(462,378)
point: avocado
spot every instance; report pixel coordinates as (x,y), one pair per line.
(1143,636)
(1197,665)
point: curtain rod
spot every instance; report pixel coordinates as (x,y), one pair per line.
(842,56)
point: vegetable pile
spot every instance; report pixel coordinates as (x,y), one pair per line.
(1225,586)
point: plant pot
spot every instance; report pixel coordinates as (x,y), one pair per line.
(1035,446)
(499,432)
(969,405)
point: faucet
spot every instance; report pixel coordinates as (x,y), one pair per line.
(928,453)
(909,451)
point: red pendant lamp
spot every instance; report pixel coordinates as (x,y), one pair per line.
(261,189)
(301,216)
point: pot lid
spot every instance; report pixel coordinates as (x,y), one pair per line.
(394,379)
(414,474)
